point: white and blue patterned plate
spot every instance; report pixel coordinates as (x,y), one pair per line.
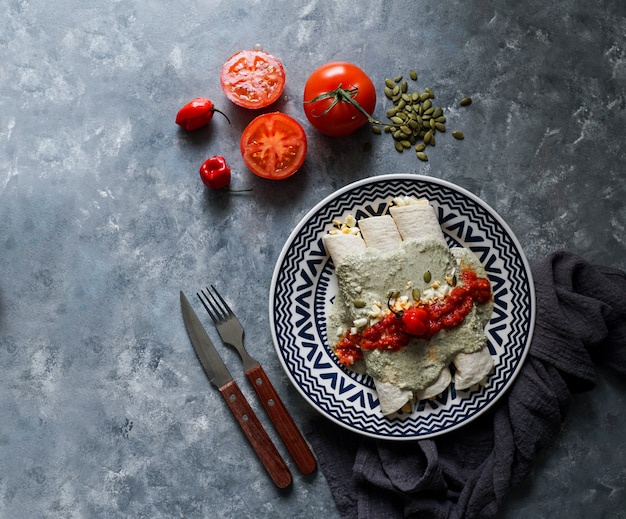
(304,286)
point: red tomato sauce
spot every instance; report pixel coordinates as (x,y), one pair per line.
(390,333)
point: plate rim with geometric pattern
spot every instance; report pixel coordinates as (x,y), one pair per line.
(303,286)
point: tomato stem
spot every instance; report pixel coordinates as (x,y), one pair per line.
(340,94)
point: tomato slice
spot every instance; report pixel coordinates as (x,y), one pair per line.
(253,78)
(273,146)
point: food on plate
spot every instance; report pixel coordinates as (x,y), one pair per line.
(410,311)
(339,98)
(253,78)
(215,172)
(197,113)
(273,146)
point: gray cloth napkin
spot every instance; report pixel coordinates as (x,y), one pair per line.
(581,320)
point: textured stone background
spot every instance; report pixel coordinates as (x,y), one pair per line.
(104,410)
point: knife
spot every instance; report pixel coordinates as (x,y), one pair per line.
(220,377)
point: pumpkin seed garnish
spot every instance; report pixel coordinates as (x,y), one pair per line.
(427,276)
(458,135)
(359,303)
(414,119)
(416,294)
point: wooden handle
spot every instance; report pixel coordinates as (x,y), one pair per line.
(286,427)
(257,435)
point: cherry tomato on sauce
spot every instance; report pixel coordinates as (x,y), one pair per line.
(273,146)
(253,78)
(332,97)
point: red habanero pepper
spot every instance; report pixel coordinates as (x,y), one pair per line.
(215,173)
(415,321)
(196,114)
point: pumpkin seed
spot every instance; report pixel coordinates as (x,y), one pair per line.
(432,124)
(392,111)
(405,129)
(395,90)
(397,79)
(406,144)
(466,101)
(427,276)
(427,104)
(458,135)
(413,75)
(416,294)
(359,303)
(389,83)
(420,147)
(440,126)
(398,146)
(376,130)
(396,119)
(425,95)
(404,86)
(428,136)
(422,156)
(388,93)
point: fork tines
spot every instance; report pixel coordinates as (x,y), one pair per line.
(218,312)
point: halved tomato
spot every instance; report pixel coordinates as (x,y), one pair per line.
(273,146)
(253,78)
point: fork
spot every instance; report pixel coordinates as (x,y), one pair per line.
(231,332)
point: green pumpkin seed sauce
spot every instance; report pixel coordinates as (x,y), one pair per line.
(370,276)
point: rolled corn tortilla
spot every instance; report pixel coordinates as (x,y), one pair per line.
(380,232)
(416,220)
(471,368)
(340,245)
(437,387)
(391,398)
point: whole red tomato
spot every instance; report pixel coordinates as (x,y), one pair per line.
(339,98)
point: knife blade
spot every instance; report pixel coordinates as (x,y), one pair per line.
(220,377)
